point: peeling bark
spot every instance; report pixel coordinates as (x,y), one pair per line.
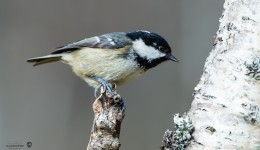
(108,116)
(225,111)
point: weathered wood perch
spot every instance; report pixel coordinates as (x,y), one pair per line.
(225,112)
(108,116)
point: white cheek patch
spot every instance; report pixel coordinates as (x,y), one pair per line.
(145,51)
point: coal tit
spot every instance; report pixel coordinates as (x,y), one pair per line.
(116,57)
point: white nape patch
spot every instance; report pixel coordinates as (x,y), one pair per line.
(145,51)
(145,31)
(97,38)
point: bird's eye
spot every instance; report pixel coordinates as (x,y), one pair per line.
(160,48)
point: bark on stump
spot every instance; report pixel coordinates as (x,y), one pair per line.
(108,116)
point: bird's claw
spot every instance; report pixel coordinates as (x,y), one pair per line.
(106,85)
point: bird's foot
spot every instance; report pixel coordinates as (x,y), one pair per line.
(106,85)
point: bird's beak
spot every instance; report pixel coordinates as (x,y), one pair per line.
(173,58)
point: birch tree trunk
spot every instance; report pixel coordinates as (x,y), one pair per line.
(225,112)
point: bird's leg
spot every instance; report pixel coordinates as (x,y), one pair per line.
(107,86)
(96,90)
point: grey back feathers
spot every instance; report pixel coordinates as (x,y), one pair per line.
(113,40)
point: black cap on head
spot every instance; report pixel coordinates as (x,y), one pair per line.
(151,39)
(154,40)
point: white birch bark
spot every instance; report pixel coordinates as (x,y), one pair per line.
(225,111)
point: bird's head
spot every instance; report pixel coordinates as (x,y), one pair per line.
(151,49)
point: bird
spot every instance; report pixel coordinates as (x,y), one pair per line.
(116,57)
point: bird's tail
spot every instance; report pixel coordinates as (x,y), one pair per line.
(44,59)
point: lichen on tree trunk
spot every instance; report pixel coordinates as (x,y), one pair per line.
(225,111)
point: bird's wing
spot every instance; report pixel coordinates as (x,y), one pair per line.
(105,41)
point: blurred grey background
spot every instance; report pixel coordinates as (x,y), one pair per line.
(52,108)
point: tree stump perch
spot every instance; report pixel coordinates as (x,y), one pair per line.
(109,111)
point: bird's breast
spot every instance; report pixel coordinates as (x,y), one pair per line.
(105,63)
